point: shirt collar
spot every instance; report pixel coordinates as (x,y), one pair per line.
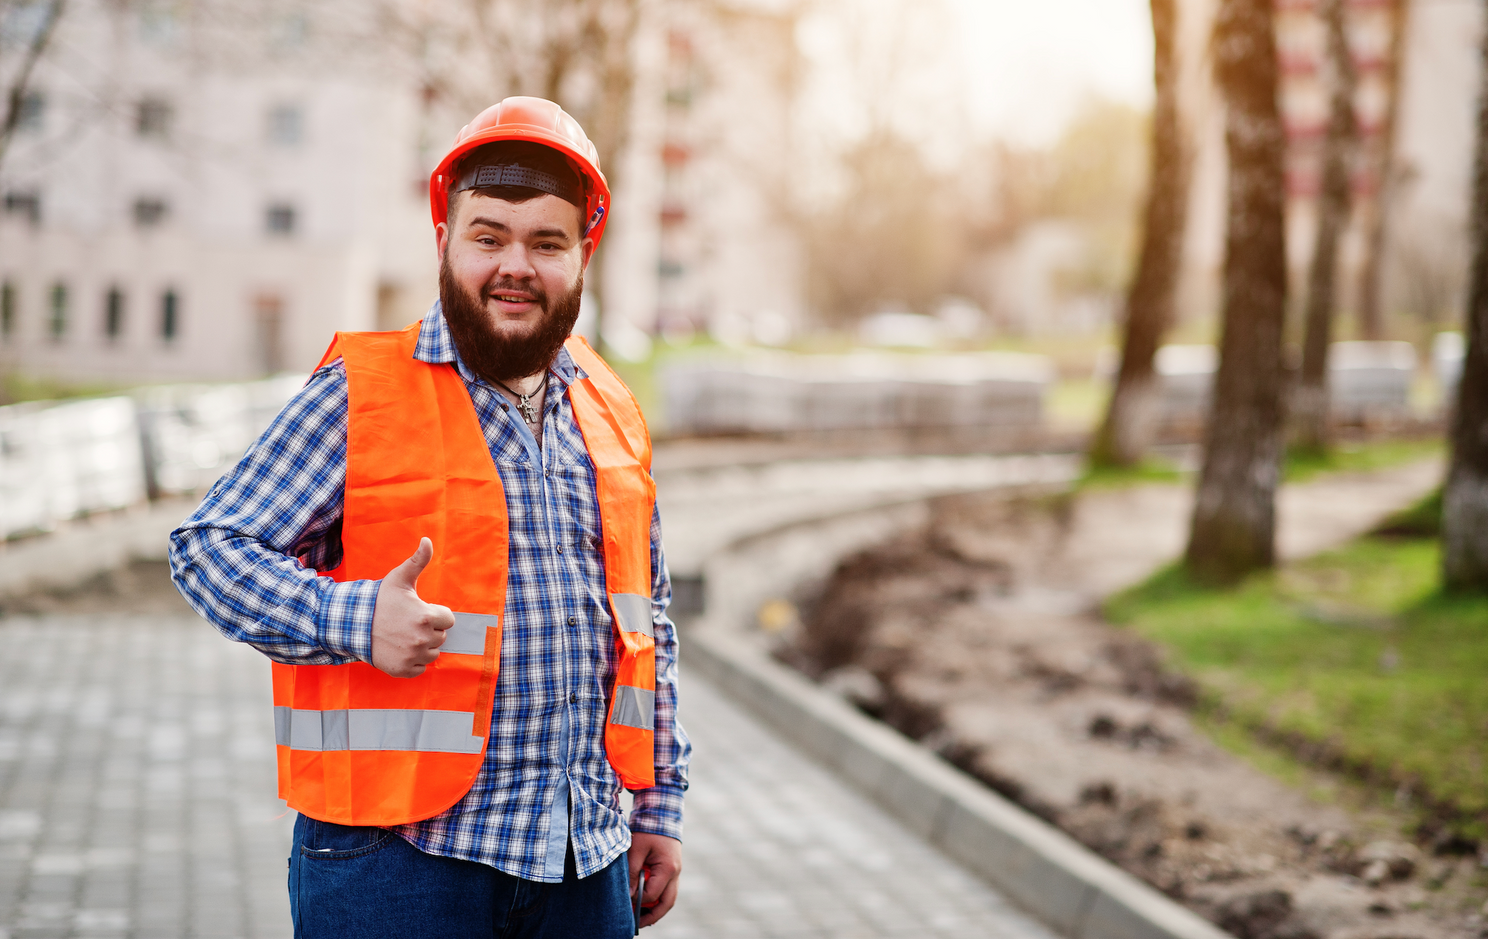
(436,346)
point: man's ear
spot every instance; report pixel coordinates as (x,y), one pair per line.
(587,246)
(441,237)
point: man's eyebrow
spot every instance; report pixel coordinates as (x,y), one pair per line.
(481,220)
(489,223)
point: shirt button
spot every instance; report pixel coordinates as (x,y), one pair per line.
(573,621)
(560,549)
(573,699)
(505,406)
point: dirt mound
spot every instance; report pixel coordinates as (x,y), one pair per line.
(977,635)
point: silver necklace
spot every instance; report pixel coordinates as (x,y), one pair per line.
(524,404)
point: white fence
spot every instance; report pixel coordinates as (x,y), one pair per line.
(1368,382)
(1448,350)
(195,433)
(780,393)
(64,460)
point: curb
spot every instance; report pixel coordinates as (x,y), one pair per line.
(85,547)
(1038,867)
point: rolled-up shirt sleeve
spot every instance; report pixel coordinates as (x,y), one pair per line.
(658,810)
(247,559)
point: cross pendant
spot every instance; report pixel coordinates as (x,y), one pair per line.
(529,411)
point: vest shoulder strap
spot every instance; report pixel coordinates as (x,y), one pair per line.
(396,343)
(616,396)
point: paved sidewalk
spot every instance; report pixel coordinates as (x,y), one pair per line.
(778,846)
(137,782)
(136,799)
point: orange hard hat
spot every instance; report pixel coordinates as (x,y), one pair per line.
(536,120)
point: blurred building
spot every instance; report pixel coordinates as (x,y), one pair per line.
(728,258)
(1305,95)
(207,191)
(1427,191)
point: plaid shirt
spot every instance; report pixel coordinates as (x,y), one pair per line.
(235,561)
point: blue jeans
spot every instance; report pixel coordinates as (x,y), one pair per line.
(357,883)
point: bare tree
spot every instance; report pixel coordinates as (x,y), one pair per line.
(1371,274)
(579,53)
(1310,403)
(1465,503)
(1131,416)
(894,237)
(34,45)
(1234,520)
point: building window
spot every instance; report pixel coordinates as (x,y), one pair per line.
(58,320)
(7,310)
(149,212)
(289,32)
(285,126)
(153,119)
(32,112)
(159,23)
(27,205)
(280,219)
(170,315)
(113,313)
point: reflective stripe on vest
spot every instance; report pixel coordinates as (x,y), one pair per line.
(632,613)
(468,635)
(358,747)
(377,729)
(634,707)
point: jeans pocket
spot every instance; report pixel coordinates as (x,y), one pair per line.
(328,841)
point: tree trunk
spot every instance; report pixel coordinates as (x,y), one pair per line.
(1234,520)
(1371,274)
(1465,504)
(1131,417)
(1310,404)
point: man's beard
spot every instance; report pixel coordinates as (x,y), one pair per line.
(503,358)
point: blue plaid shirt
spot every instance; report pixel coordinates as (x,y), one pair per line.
(235,561)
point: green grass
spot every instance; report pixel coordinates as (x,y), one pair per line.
(640,377)
(16,387)
(1422,520)
(1076,404)
(1356,649)
(1150,470)
(1302,465)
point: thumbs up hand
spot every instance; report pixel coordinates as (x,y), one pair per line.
(406,631)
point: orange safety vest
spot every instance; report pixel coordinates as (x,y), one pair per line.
(359,747)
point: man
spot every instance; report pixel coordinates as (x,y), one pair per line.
(447,544)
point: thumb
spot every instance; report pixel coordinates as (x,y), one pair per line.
(406,575)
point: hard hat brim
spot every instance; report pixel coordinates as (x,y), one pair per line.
(597,188)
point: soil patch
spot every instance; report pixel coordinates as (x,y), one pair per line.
(978,635)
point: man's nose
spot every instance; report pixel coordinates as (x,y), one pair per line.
(515,262)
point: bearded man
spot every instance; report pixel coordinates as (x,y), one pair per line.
(447,544)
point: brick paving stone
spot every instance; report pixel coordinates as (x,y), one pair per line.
(778,846)
(137,800)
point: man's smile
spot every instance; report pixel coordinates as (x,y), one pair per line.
(514,301)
